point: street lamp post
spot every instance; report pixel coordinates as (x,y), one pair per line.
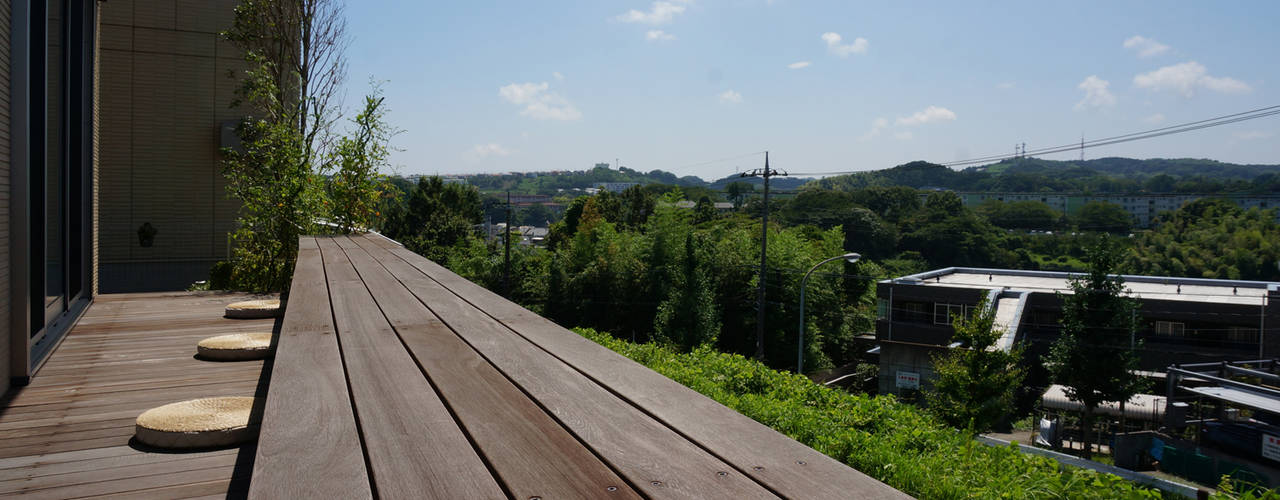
(851,258)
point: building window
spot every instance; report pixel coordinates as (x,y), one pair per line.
(882,308)
(1242,334)
(944,314)
(1170,329)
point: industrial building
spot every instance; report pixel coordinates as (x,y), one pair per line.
(1183,320)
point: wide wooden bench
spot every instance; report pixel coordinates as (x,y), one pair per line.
(396,377)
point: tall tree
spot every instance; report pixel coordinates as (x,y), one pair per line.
(1095,357)
(294,55)
(975,382)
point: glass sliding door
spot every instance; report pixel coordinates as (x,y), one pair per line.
(55,299)
(59,151)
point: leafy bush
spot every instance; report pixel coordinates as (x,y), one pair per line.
(888,440)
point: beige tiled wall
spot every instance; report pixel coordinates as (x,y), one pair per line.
(164,92)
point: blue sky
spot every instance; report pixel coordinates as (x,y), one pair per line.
(486,86)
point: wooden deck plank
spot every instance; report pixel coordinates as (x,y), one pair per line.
(532,454)
(413,445)
(786,466)
(130,458)
(68,433)
(658,461)
(309,446)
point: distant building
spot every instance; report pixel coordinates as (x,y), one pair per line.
(1143,208)
(720,206)
(455,180)
(1183,320)
(615,187)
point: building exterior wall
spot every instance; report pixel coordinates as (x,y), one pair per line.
(167,84)
(908,339)
(1144,208)
(5,196)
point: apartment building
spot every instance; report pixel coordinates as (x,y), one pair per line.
(1142,207)
(1183,320)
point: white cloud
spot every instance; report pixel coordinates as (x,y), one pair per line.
(1185,78)
(903,136)
(658,35)
(927,115)
(859,45)
(1146,47)
(730,97)
(538,102)
(798,65)
(1006,85)
(1156,118)
(1096,94)
(559,77)
(876,126)
(482,151)
(661,12)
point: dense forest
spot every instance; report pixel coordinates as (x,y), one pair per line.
(642,267)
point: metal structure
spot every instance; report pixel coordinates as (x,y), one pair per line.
(851,257)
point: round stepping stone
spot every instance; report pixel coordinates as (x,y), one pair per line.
(198,423)
(235,347)
(253,309)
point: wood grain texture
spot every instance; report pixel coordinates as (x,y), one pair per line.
(786,466)
(658,461)
(309,446)
(413,445)
(68,433)
(532,454)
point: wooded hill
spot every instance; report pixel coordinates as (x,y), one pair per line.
(1101,175)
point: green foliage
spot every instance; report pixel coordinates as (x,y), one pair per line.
(947,234)
(890,441)
(1103,175)
(434,217)
(975,383)
(356,188)
(1095,356)
(1211,239)
(280,197)
(1103,216)
(1020,214)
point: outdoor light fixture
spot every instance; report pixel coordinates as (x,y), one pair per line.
(850,257)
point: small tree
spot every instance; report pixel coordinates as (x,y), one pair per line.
(293,50)
(975,383)
(357,186)
(1095,357)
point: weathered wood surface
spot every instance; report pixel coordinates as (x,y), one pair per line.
(783,465)
(545,412)
(309,444)
(392,378)
(68,434)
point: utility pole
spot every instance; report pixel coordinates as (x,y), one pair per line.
(766,173)
(506,259)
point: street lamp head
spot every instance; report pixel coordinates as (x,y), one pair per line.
(852,257)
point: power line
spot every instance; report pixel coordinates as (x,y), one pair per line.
(1106,141)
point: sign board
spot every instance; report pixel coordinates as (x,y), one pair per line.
(1271,447)
(911,380)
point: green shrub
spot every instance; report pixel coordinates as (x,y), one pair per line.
(880,436)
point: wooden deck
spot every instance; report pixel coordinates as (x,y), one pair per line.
(392,378)
(68,434)
(395,377)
